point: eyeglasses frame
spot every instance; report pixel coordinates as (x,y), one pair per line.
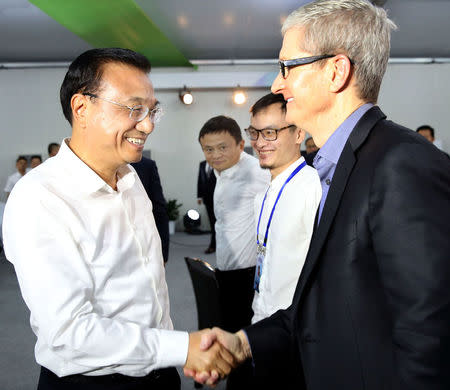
(153,111)
(287,64)
(262,135)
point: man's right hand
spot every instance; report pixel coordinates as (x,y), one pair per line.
(237,344)
(213,361)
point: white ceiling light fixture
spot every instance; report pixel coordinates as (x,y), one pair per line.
(239,96)
(186,96)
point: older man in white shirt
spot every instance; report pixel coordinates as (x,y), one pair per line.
(80,232)
(239,179)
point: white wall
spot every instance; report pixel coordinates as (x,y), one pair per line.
(31,118)
(414,95)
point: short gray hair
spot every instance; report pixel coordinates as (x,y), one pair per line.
(355,28)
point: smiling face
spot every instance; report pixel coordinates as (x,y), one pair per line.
(279,154)
(304,88)
(105,137)
(221,150)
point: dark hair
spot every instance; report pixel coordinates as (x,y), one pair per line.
(36,156)
(267,101)
(426,127)
(220,124)
(307,139)
(21,158)
(85,72)
(51,146)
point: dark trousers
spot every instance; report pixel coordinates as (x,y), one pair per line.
(243,378)
(212,222)
(164,379)
(236,297)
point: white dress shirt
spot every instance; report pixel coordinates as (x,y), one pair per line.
(12,180)
(90,268)
(234,195)
(289,236)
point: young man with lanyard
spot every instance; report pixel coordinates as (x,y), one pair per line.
(284,215)
(285,212)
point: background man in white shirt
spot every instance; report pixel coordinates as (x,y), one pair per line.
(239,179)
(81,235)
(21,166)
(283,242)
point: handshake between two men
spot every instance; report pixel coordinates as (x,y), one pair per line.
(213,353)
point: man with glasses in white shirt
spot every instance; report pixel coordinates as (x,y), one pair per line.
(284,217)
(285,212)
(81,235)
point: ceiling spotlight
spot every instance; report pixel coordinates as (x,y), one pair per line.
(186,96)
(239,96)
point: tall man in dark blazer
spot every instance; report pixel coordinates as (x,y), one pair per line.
(372,305)
(205,194)
(148,173)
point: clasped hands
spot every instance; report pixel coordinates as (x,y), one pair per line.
(213,353)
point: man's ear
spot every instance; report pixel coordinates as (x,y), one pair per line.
(339,72)
(78,103)
(241,144)
(300,135)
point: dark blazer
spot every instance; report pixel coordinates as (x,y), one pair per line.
(148,173)
(205,184)
(372,306)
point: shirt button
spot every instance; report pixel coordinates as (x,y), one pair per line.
(328,181)
(145,259)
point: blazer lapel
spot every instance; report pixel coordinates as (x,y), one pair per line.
(343,170)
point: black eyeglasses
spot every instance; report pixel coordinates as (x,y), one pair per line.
(287,64)
(268,134)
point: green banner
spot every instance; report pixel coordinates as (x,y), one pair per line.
(114,23)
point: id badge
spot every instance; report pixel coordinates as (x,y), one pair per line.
(260,254)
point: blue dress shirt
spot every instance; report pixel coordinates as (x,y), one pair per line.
(327,157)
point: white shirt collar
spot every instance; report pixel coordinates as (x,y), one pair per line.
(90,181)
(282,177)
(230,171)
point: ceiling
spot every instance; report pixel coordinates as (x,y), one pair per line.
(195,29)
